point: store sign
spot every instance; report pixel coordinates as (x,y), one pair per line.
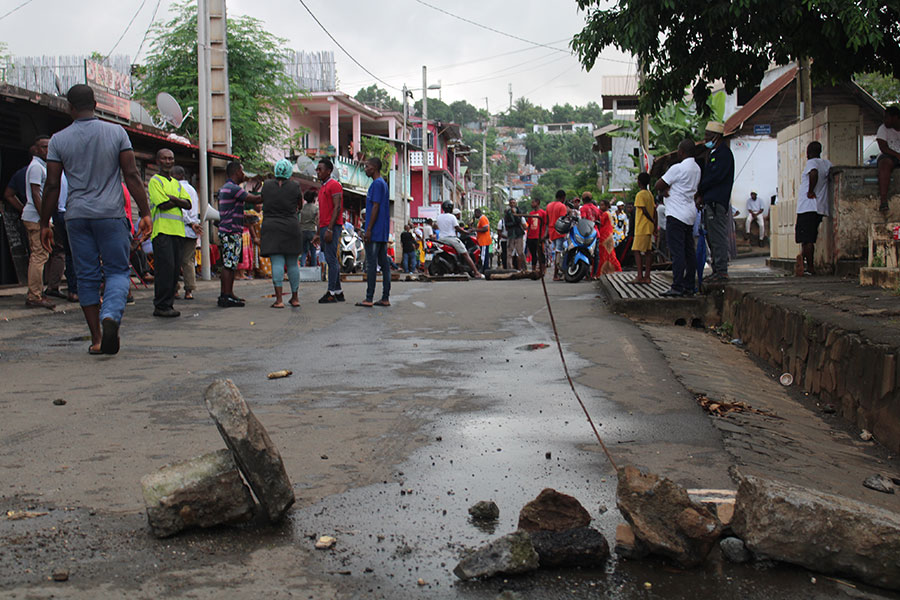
(115,105)
(98,75)
(762,130)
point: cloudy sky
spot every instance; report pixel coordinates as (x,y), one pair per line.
(393,39)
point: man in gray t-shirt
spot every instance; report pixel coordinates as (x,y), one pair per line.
(95,156)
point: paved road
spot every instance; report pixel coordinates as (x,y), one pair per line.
(394,422)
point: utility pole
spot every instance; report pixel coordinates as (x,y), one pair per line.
(485,174)
(510,96)
(804,88)
(425,173)
(404,160)
(645,121)
(204,122)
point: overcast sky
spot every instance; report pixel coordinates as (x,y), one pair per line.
(392,41)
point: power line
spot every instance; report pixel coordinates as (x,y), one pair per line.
(147,31)
(350,56)
(501,73)
(509,35)
(127,27)
(16,8)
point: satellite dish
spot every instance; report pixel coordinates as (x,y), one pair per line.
(169,109)
(306,166)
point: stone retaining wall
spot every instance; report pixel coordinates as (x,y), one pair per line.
(858,376)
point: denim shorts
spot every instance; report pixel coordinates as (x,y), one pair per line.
(231,249)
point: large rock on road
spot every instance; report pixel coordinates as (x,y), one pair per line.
(510,554)
(819,531)
(256,455)
(553,511)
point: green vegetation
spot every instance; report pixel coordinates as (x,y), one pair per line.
(884,88)
(379,98)
(260,89)
(375,147)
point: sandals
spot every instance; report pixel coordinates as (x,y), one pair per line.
(277,305)
(884,207)
(365,304)
(381,303)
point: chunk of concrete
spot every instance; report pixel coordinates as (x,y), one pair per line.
(628,546)
(553,511)
(510,554)
(664,517)
(580,547)
(734,550)
(485,510)
(201,492)
(256,455)
(817,530)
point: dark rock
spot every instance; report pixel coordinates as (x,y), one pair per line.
(60,575)
(819,531)
(59,402)
(734,550)
(553,511)
(879,483)
(829,409)
(628,546)
(486,510)
(510,554)
(256,455)
(581,547)
(664,517)
(201,492)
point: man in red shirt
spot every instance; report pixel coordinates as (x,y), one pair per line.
(331,221)
(555,210)
(537,233)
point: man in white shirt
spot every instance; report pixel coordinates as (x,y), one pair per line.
(35,177)
(755,212)
(191,231)
(679,186)
(812,204)
(888,137)
(448,225)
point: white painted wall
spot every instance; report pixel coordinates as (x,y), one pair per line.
(755,170)
(620,178)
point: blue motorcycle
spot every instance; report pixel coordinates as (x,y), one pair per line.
(580,245)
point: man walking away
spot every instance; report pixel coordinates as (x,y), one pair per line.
(644,226)
(309,219)
(555,210)
(755,213)
(503,241)
(483,237)
(888,138)
(167,200)
(95,156)
(715,195)
(679,186)
(408,244)
(231,227)
(812,204)
(35,178)
(378,223)
(192,229)
(515,236)
(331,221)
(537,233)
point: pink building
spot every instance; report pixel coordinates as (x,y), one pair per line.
(447,159)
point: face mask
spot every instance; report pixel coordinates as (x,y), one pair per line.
(710,144)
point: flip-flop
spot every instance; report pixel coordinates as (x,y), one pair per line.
(275,305)
(381,303)
(294,305)
(93,352)
(109,342)
(365,305)
(884,207)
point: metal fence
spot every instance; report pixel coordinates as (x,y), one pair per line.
(312,71)
(52,74)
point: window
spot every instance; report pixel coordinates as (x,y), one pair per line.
(415,138)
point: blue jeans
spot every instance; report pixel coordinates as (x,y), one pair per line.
(409,262)
(376,255)
(279,261)
(59,230)
(684,259)
(109,240)
(306,248)
(329,249)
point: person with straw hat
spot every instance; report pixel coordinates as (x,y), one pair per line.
(714,196)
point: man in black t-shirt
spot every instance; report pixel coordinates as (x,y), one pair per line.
(515,233)
(408,245)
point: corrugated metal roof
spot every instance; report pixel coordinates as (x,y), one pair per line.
(619,85)
(758,101)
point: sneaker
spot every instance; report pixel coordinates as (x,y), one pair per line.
(129,300)
(339,297)
(229,302)
(166,312)
(328,298)
(235,298)
(55,293)
(672,293)
(109,343)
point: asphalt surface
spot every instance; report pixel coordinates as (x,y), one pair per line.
(394,422)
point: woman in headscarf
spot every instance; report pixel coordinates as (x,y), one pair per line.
(280,236)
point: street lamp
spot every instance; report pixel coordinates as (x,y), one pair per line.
(425,174)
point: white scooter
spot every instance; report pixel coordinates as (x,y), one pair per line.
(353,252)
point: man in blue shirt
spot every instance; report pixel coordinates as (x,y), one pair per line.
(714,195)
(378,224)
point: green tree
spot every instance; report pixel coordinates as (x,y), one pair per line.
(463,113)
(261,90)
(883,88)
(437,110)
(379,98)
(525,114)
(691,43)
(551,151)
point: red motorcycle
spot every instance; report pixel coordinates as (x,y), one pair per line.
(446,260)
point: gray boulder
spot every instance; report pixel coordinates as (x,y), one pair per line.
(553,511)
(734,550)
(485,510)
(580,547)
(510,554)
(665,519)
(200,492)
(256,455)
(819,531)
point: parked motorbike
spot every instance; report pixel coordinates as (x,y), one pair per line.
(581,244)
(353,252)
(446,261)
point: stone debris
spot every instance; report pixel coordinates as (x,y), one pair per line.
(60,575)
(628,546)
(325,542)
(280,374)
(486,510)
(553,511)
(200,492)
(59,402)
(256,455)
(510,554)
(734,550)
(720,408)
(865,435)
(817,530)
(579,547)
(16,515)
(880,483)
(664,517)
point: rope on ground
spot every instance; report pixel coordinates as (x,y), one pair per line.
(572,383)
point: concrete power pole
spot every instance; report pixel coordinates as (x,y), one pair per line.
(204,125)
(425,173)
(485,174)
(404,159)
(804,89)
(510,96)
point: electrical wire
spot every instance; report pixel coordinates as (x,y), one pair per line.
(147,31)
(525,95)
(127,27)
(491,77)
(509,35)
(27,2)
(350,56)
